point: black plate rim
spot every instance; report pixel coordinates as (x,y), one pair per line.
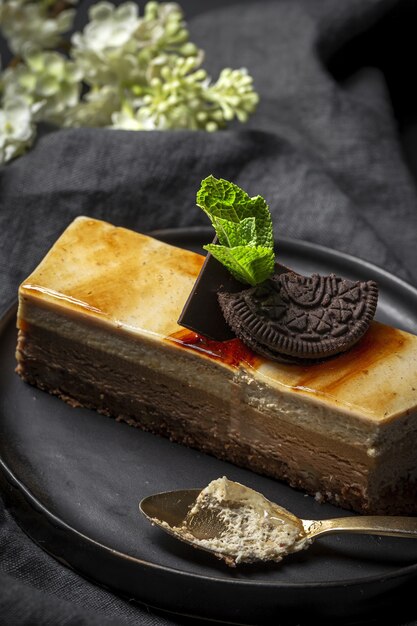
(291,244)
(285,243)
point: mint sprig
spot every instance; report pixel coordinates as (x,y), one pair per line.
(244,229)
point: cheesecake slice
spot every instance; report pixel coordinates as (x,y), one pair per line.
(97,327)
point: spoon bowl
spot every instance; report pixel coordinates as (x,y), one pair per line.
(175,513)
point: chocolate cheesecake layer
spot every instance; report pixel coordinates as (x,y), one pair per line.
(202,419)
(97,327)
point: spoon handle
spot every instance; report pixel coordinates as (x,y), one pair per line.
(367,524)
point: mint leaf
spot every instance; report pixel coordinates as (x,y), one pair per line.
(243,226)
(264,232)
(248,264)
(220,198)
(233,234)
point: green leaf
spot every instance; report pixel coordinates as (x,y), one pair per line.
(221,199)
(264,232)
(243,226)
(233,234)
(248,264)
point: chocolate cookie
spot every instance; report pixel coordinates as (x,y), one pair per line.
(291,317)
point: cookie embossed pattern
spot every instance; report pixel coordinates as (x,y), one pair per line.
(291,317)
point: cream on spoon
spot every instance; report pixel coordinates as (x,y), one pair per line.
(239,525)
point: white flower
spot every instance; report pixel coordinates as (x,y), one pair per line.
(109,27)
(117,44)
(138,73)
(178,95)
(163,28)
(126,120)
(17,130)
(96,108)
(160,100)
(28,26)
(48,80)
(105,50)
(234,94)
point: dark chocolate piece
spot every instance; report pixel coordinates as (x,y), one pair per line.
(202,313)
(301,317)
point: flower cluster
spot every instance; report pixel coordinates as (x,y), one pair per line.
(34,25)
(47,82)
(16,130)
(124,70)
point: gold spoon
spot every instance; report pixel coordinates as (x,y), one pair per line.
(206,527)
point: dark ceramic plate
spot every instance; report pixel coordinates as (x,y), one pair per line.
(73,480)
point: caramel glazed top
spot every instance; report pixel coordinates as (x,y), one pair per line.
(139,285)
